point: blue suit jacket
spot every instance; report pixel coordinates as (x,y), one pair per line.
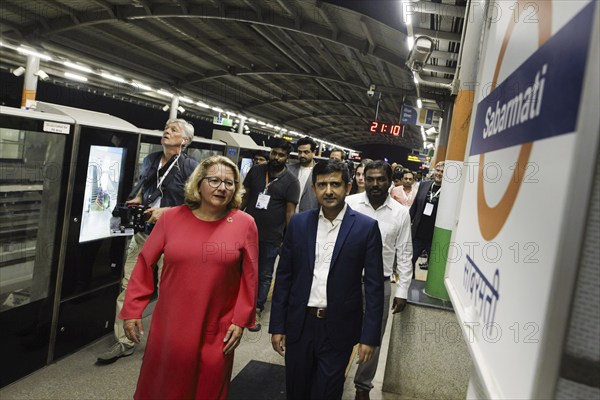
(357,248)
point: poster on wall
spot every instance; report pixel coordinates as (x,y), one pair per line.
(528,124)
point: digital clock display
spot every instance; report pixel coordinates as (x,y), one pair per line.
(382,127)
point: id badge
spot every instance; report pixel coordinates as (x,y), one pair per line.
(263,201)
(428,209)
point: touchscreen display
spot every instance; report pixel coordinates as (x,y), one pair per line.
(104,172)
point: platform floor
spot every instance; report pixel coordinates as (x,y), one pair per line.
(78,377)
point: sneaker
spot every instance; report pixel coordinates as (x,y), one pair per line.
(257,325)
(116,351)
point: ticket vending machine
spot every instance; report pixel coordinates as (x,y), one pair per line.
(101,175)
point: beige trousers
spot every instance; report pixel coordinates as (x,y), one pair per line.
(135,246)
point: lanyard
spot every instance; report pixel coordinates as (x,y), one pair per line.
(433,196)
(267,183)
(160,180)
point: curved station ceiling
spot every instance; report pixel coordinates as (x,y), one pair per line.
(306,66)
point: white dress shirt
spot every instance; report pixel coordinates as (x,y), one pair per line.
(394,225)
(327,233)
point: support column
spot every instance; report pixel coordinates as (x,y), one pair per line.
(454,174)
(174,105)
(241,126)
(441,144)
(31,81)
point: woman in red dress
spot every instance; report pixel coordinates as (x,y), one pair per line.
(208,288)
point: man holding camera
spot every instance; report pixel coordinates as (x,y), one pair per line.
(160,187)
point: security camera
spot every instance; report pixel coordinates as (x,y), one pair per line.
(42,75)
(371,91)
(18,71)
(420,53)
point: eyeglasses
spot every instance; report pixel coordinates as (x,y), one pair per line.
(215,182)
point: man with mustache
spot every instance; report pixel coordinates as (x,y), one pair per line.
(317,311)
(394,224)
(303,171)
(271,196)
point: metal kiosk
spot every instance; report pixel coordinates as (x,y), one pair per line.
(67,262)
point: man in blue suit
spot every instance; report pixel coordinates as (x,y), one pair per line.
(317,312)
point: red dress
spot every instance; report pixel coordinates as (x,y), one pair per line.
(209,280)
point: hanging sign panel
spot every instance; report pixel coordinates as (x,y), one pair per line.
(506,251)
(222,121)
(416,116)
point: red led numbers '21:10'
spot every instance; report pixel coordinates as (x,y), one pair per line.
(380,127)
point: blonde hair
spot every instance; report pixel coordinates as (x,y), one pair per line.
(192,194)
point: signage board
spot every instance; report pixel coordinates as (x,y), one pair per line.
(416,116)
(223,121)
(509,268)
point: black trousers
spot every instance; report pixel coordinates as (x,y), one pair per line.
(418,246)
(314,369)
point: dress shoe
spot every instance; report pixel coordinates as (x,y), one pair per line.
(362,394)
(257,325)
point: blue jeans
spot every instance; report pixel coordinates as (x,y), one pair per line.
(267,253)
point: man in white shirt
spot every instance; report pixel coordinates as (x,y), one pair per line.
(394,224)
(302,170)
(328,255)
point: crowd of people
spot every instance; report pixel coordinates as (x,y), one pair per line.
(347,240)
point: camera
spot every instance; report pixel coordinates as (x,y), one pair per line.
(371,91)
(131,217)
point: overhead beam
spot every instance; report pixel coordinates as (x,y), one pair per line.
(289,11)
(358,67)
(327,56)
(254,7)
(444,55)
(64,9)
(276,42)
(384,72)
(429,7)
(216,74)
(325,15)
(119,63)
(306,100)
(176,43)
(299,51)
(439,69)
(365,28)
(107,6)
(317,116)
(440,35)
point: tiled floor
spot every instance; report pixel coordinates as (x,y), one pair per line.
(78,377)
